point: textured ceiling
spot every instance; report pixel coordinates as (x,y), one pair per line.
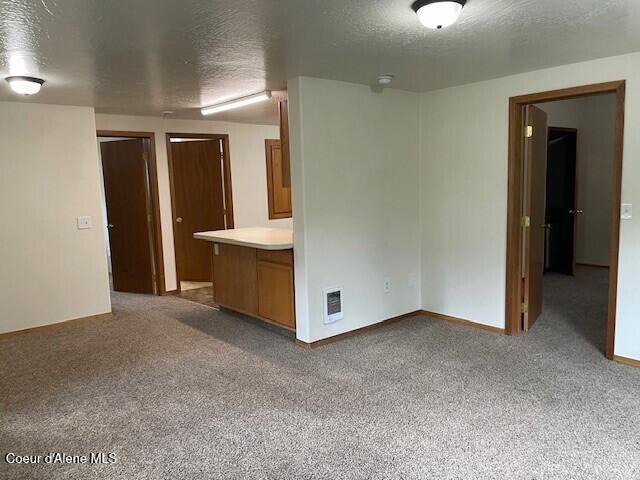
(145,56)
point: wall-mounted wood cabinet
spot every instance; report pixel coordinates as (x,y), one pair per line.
(284,139)
(279,195)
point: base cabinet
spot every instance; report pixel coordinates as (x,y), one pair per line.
(275,293)
(234,278)
(255,282)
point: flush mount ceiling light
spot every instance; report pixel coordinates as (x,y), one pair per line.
(438,14)
(385,79)
(25,85)
(237,103)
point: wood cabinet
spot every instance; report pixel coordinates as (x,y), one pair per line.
(275,287)
(279,195)
(255,282)
(284,140)
(234,278)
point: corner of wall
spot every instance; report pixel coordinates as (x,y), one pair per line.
(303,331)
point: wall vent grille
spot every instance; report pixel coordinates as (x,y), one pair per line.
(332,305)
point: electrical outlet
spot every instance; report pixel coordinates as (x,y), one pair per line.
(626,211)
(386,285)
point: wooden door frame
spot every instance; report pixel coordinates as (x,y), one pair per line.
(226,180)
(514,197)
(575,187)
(152,172)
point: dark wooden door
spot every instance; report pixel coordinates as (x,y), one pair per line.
(128,214)
(536,182)
(561,200)
(198,204)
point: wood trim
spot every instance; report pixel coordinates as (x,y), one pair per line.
(54,326)
(228,193)
(592,265)
(514,282)
(357,331)
(576,198)
(631,362)
(569,93)
(462,321)
(615,219)
(124,134)
(514,241)
(563,129)
(158,254)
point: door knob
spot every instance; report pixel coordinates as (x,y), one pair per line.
(576,212)
(547,226)
(179,219)
(110,225)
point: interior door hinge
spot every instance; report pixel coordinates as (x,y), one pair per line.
(526,221)
(525,307)
(528,131)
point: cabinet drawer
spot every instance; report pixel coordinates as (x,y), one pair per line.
(284,257)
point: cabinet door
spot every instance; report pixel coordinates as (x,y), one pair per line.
(279,195)
(234,278)
(275,293)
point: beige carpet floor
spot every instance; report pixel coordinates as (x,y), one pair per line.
(176,390)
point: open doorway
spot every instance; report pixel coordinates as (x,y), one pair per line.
(564,207)
(561,211)
(201,200)
(131,211)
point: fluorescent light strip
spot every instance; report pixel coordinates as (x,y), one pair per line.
(239,102)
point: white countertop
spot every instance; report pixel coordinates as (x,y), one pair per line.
(254,237)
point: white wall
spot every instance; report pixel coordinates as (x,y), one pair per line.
(355,192)
(594,117)
(464,134)
(50,271)
(248,171)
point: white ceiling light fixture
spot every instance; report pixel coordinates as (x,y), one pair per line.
(385,80)
(438,14)
(25,85)
(237,103)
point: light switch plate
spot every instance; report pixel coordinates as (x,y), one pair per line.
(627,211)
(84,223)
